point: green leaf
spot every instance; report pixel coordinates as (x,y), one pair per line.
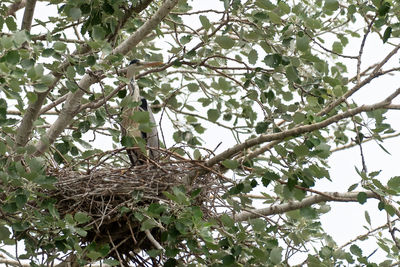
(337,47)
(253,56)
(298,117)
(228,260)
(74,13)
(302,43)
(285,8)
(337,91)
(196,154)
(47,79)
(230,163)
(258,224)
(301,150)
(12,57)
(384,8)
(90,60)
(273,60)
(141,116)
(93,255)
(4,233)
(111,262)
(265,4)
(291,74)
(213,115)
(48,52)
(387,34)
(367,217)
(394,183)
(261,127)
(11,25)
(193,87)
(352,187)
(98,33)
(205,22)
(70,72)
(362,197)
(270,175)
(390,209)
(275,18)
(276,255)
(355,250)
(20,37)
(81,217)
(227,220)
(20,200)
(148,224)
(59,46)
(3,148)
(225,42)
(331,5)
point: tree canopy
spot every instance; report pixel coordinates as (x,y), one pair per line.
(252,100)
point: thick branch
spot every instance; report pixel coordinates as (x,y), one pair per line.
(306,202)
(28,15)
(17,5)
(298,130)
(72,104)
(32,112)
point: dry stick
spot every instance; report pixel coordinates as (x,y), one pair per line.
(72,104)
(308,201)
(375,73)
(360,52)
(364,141)
(153,240)
(360,237)
(392,231)
(114,248)
(299,130)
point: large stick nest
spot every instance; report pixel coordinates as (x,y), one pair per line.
(103,191)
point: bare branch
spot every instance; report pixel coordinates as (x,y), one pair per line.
(72,104)
(360,52)
(306,202)
(351,144)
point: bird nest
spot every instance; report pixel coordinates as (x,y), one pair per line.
(111,196)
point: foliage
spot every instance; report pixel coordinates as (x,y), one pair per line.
(279,76)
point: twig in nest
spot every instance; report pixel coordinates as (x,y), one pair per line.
(153,240)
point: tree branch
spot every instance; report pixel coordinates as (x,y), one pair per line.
(14,7)
(72,104)
(28,15)
(375,73)
(298,130)
(306,202)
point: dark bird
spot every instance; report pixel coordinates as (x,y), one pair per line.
(129,127)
